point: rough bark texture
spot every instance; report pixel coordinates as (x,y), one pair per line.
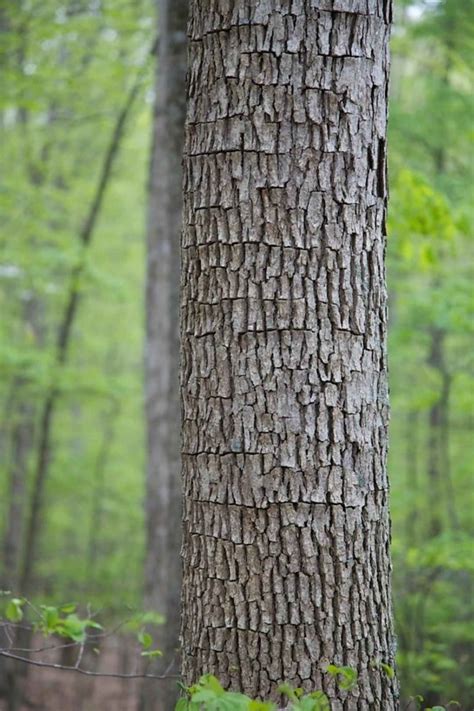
(284,387)
(163,501)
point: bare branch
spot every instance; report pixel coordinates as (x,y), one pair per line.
(79,656)
(85,672)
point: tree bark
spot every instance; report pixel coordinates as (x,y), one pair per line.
(163,487)
(284,384)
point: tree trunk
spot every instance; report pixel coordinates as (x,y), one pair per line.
(284,386)
(99,494)
(163,500)
(22,439)
(411,482)
(440,488)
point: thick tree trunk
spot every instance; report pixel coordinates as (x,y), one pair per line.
(163,500)
(284,386)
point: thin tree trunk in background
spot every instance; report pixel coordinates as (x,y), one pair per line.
(22,440)
(163,486)
(21,413)
(412,484)
(440,486)
(435,454)
(98,493)
(284,385)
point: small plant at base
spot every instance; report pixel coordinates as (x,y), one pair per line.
(208,694)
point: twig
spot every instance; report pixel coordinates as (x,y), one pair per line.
(86,672)
(79,656)
(49,648)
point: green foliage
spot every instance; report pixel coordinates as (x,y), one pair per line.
(14,609)
(346,677)
(48,619)
(140,624)
(422,223)
(314,701)
(209,695)
(430,281)
(65,73)
(53,620)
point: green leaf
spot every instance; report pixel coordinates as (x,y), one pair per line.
(203,695)
(50,619)
(95,625)
(14,613)
(152,653)
(261,706)
(211,682)
(145,639)
(182,704)
(68,608)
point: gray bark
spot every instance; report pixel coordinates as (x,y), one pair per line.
(284,384)
(163,488)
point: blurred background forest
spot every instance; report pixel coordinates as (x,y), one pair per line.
(69,71)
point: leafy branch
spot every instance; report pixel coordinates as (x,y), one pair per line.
(64,621)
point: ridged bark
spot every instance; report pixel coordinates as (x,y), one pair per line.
(284,383)
(163,489)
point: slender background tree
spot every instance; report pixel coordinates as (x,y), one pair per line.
(163,486)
